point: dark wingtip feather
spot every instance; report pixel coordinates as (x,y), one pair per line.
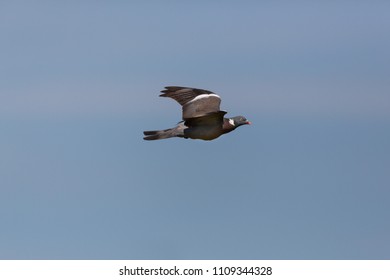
(168,89)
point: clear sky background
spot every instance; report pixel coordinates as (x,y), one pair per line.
(79,82)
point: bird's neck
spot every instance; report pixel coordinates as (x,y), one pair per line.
(228,125)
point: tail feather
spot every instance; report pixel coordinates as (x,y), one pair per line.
(160,134)
(151,132)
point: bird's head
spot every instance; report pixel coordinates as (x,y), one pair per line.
(239,120)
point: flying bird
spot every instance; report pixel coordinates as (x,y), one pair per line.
(202,118)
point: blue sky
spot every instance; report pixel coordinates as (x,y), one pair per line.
(308,180)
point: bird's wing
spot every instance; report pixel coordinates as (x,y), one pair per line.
(195,102)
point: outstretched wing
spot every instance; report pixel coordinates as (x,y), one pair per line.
(195,102)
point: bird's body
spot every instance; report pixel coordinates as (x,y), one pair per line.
(202,117)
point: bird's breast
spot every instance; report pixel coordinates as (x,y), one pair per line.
(204,133)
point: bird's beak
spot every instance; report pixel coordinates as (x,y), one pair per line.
(248,122)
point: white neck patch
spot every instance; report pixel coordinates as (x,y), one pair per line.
(231,121)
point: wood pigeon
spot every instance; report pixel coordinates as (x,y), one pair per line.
(202,118)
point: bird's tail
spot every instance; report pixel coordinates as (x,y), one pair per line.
(161,134)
